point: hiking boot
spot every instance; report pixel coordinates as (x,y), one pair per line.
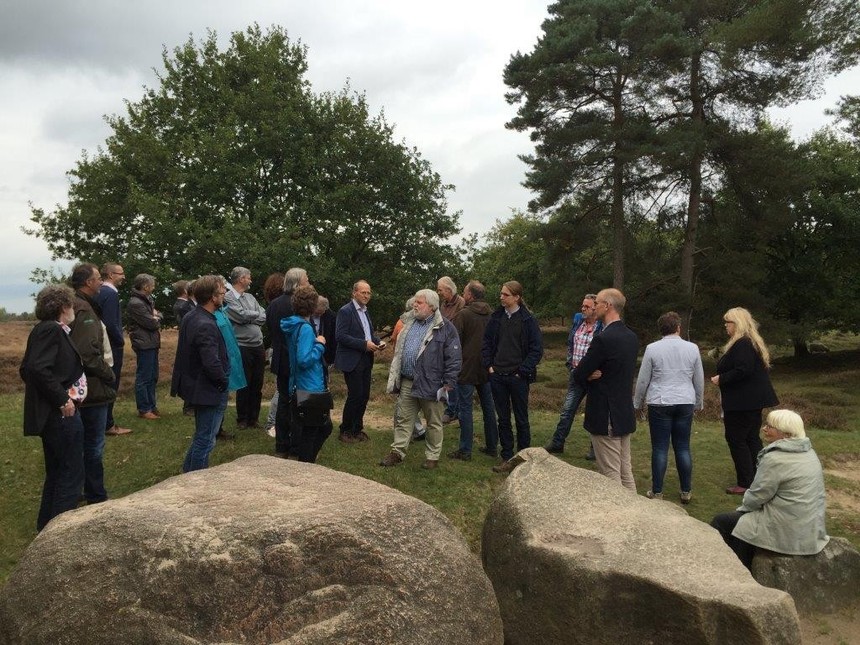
(391,459)
(686,496)
(492,452)
(652,495)
(430,464)
(554,448)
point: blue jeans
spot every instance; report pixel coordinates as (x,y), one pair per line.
(510,392)
(207,420)
(453,407)
(491,431)
(671,422)
(93,418)
(146,379)
(575,394)
(63,445)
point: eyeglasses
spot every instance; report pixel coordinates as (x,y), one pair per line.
(119,273)
(586,308)
(506,295)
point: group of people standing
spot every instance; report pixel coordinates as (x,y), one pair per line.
(447,347)
(71,370)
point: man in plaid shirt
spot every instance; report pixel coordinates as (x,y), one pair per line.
(585,328)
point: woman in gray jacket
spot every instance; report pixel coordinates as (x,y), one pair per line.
(783,509)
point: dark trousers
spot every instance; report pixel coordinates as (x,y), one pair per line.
(308,440)
(510,392)
(93,419)
(63,445)
(357,395)
(725,523)
(283,417)
(249,399)
(117,371)
(742,435)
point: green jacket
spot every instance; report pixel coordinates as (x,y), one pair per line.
(88,336)
(783,509)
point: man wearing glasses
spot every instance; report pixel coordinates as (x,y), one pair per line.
(585,327)
(113,276)
(606,372)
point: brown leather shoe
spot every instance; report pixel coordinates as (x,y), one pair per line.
(506,466)
(391,459)
(116,431)
(148,415)
(430,464)
(362,436)
(348,438)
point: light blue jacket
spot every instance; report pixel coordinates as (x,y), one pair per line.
(236,379)
(783,509)
(306,355)
(671,374)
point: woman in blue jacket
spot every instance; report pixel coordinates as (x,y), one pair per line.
(307,372)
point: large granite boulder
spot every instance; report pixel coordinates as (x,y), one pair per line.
(261,550)
(826,582)
(576,558)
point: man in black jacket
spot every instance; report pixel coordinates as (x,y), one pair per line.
(607,373)
(201,370)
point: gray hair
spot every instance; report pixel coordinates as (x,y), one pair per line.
(430,297)
(447,282)
(409,303)
(293,278)
(52,300)
(322,302)
(238,273)
(142,280)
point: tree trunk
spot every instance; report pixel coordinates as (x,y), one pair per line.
(617,208)
(688,250)
(800,348)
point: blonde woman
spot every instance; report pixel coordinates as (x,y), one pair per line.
(745,390)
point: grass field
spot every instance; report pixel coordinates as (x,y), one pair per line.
(822,388)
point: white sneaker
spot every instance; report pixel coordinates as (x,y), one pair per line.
(271,431)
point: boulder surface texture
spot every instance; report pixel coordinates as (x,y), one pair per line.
(826,582)
(261,550)
(576,558)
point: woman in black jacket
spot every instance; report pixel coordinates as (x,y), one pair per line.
(745,389)
(54,387)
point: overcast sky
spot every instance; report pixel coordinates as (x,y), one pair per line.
(435,69)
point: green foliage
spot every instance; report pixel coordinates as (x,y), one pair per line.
(584,93)
(233,160)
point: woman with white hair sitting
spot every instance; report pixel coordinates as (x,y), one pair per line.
(783,509)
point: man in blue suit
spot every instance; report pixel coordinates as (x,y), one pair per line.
(356,344)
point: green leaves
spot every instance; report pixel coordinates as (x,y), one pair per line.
(233,160)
